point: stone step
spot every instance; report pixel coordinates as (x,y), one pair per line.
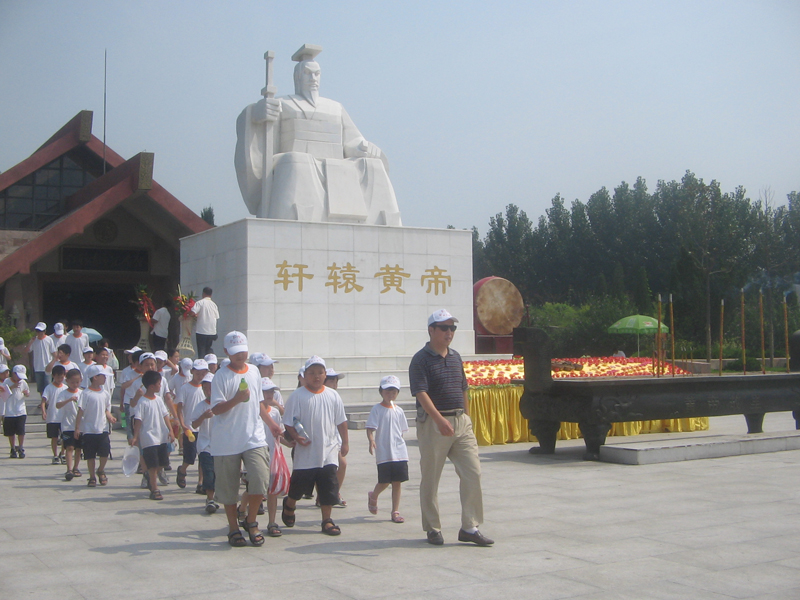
(688,448)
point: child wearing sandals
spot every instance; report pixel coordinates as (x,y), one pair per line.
(50,413)
(201,422)
(187,398)
(385,427)
(237,437)
(152,429)
(15,411)
(94,413)
(67,405)
(320,411)
(270,391)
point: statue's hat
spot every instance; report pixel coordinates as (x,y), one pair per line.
(306,52)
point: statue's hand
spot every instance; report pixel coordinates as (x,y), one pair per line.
(266,109)
(367,150)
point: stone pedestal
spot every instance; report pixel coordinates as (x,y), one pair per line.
(332,289)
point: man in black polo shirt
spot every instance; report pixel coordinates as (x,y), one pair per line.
(444,430)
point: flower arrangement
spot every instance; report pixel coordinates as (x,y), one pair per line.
(144,303)
(184,303)
(502,372)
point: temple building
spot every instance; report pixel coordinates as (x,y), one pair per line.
(80,228)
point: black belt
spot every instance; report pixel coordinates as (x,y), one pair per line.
(456,412)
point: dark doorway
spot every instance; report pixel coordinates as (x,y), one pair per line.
(108,308)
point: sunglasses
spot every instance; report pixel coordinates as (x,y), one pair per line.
(446,327)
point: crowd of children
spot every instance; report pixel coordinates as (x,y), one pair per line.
(228,416)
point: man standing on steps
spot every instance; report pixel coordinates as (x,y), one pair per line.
(207,313)
(444,430)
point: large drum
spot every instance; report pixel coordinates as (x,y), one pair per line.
(498,306)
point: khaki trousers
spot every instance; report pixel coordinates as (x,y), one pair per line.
(462,450)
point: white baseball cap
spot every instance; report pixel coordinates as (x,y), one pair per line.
(145,355)
(40,326)
(58,328)
(224,362)
(210,359)
(315,360)
(390,381)
(88,349)
(20,371)
(94,370)
(3,368)
(261,359)
(235,342)
(186,365)
(208,378)
(268,384)
(439,316)
(301,372)
(200,365)
(333,373)
(133,350)
(160,355)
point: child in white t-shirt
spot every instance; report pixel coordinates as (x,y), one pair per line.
(270,391)
(50,413)
(5,356)
(385,427)
(318,413)
(201,422)
(67,406)
(16,413)
(4,374)
(91,424)
(86,362)
(152,429)
(190,395)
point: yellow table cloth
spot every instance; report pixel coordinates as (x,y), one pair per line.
(496,419)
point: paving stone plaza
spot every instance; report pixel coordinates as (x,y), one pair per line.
(564,528)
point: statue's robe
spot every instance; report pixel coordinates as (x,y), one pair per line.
(317,175)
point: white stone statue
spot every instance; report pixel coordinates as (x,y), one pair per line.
(318,165)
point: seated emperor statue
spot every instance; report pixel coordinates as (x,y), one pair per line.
(323,168)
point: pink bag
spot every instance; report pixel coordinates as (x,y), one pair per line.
(279,473)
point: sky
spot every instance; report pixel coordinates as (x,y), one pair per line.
(477,105)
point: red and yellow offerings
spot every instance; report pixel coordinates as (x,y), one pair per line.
(184,303)
(144,304)
(501,372)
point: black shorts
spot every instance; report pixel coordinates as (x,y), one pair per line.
(14,425)
(393,471)
(303,481)
(95,444)
(53,430)
(189,450)
(156,456)
(69,441)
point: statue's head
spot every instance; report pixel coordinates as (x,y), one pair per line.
(306,78)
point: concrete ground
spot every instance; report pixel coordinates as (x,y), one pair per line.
(705,529)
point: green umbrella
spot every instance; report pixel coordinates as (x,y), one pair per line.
(637,324)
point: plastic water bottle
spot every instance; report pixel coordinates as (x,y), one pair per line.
(243,386)
(298,427)
(189,434)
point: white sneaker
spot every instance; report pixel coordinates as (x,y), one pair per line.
(145,482)
(56,460)
(162,478)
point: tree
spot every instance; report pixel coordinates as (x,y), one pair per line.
(713,228)
(207,214)
(506,249)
